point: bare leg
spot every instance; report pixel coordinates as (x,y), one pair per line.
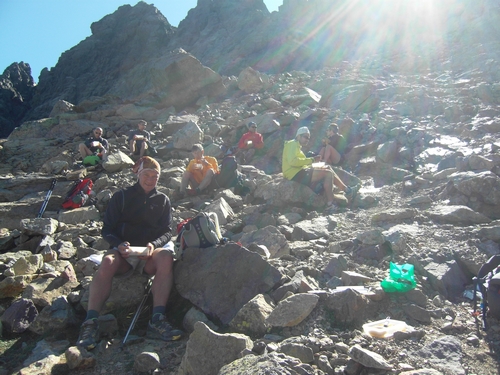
(327,176)
(187,180)
(206,181)
(84,150)
(144,146)
(132,146)
(100,287)
(330,156)
(160,264)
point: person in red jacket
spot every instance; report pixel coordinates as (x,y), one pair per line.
(249,143)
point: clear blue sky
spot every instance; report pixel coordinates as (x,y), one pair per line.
(39,31)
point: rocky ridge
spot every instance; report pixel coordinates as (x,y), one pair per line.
(229,35)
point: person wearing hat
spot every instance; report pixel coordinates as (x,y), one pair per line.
(94,145)
(139,216)
(250,142)
(138,139)
(297,167)
(199,172)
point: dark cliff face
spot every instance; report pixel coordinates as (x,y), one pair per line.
(118,42)
(230,35)
(16,92)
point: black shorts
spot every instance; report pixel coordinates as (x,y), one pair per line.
(304,176)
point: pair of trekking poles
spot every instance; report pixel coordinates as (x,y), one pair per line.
(47,198)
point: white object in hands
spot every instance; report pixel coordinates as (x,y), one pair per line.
(137,251)
(249,143)
(319,164)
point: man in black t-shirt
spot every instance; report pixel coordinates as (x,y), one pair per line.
(138,139)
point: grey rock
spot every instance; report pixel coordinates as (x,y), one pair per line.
(348,306)
(207,352)
(270,237)
(267,363)
(39,226)
(117,161)
(209,291)
(19,315)
(371,237)
(44,291)
(146,362)
(194,315)
(251,318)
(458,215)
(292,310)
(54,318)
(296,350)
(448,278)
(444,353)
(417,313)
(79,215)
(79,358)
(313,229)
(368,358)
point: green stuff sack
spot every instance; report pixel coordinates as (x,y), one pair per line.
(401,278)
(91,160)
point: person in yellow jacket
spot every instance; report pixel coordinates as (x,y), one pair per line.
(297,167)
(199,172)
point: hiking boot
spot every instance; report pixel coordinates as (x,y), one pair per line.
(89,334)
(331,209)
(351,191)
(162,330)
(191,192)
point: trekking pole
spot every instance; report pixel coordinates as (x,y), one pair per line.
(147,290)
(46,200)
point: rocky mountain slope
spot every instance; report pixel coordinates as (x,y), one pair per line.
(293,298)
(229,35)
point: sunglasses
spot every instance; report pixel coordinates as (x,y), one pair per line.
(305,136)
(253,127)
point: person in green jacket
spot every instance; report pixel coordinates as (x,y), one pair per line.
(297,167)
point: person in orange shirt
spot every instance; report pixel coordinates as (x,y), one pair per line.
(249,143)
(199,172)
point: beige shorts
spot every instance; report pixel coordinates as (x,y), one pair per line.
(136,263)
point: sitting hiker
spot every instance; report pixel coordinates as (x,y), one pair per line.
(249,143)
(136,216)
(297,167)
(138,139)
(94,145)
(334,146)
(199,172)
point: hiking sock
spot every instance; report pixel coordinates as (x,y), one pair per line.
(92,314)
(158,311)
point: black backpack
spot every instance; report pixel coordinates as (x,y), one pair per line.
(488,283)
(228,176)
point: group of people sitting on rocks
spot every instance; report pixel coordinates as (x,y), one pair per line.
(141,216)
(96,145)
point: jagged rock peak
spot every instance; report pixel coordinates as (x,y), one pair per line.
(129,17)
(119,41)
(16,91)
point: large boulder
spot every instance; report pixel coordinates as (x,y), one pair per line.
(223,293)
